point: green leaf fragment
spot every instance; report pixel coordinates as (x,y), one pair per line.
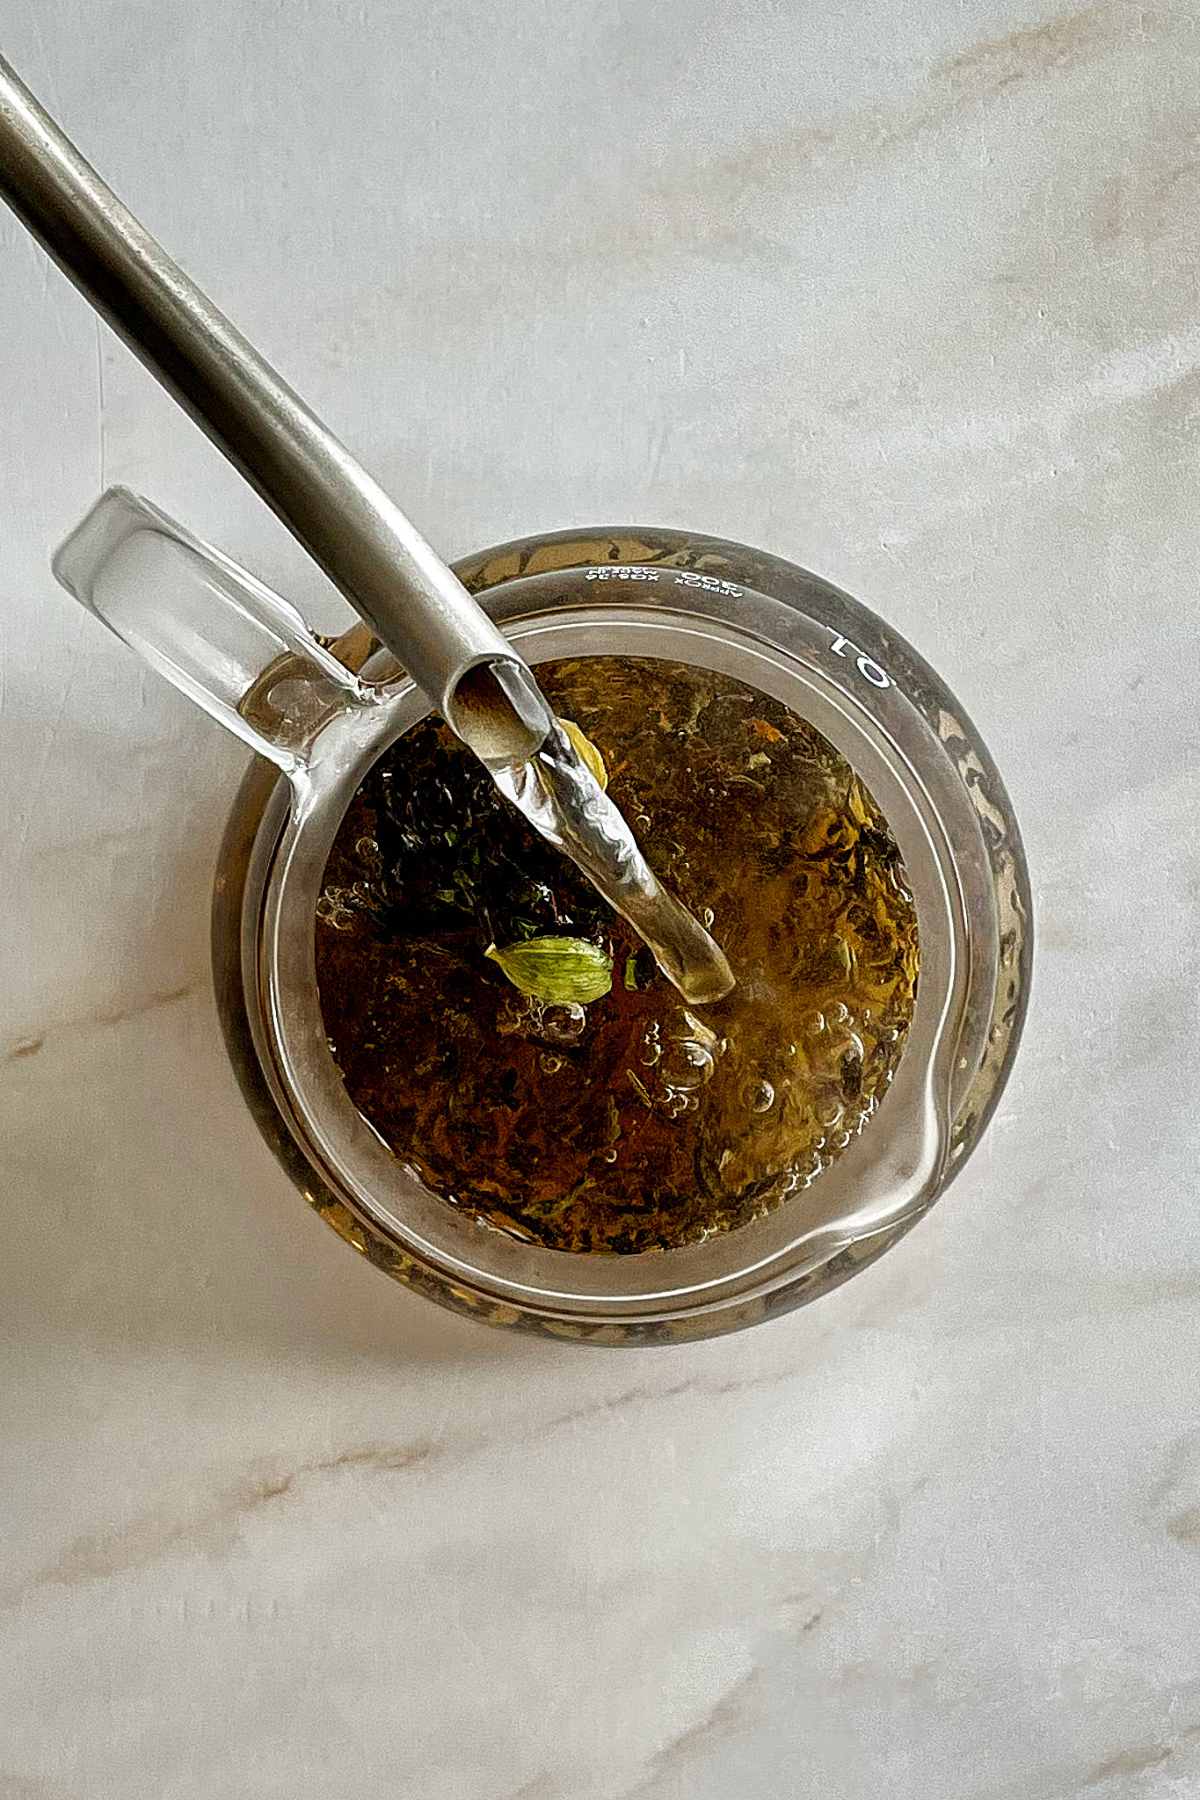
(640,971)
(563,971)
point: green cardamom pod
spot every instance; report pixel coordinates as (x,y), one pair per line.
(563,971)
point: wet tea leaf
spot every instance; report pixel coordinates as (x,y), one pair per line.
(562,971)
(586,750)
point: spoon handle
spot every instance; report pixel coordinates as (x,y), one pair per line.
(392,578)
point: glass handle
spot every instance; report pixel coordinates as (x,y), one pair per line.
(214,630)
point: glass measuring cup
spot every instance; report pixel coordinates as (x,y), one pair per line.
(322,712)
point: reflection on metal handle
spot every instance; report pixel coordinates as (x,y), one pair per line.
(373,554)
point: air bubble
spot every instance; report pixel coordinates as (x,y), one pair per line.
(333,911)
(562,1024)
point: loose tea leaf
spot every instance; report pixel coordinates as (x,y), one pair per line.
(585,748)
(564,971)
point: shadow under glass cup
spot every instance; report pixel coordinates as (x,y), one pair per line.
(321,712)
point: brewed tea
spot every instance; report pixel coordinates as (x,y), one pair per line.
(513,1042)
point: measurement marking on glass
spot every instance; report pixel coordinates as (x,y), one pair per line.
(621,572)
(685,578)
(867,667)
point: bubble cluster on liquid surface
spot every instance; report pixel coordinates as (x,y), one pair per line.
(635,1122)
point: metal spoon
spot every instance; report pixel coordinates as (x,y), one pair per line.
(392,578)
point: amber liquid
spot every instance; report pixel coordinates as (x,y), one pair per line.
(635,1122)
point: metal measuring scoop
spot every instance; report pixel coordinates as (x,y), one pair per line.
(394,580)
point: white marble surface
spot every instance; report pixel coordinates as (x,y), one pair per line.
(904,291)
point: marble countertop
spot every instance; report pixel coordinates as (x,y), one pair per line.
(904,292)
